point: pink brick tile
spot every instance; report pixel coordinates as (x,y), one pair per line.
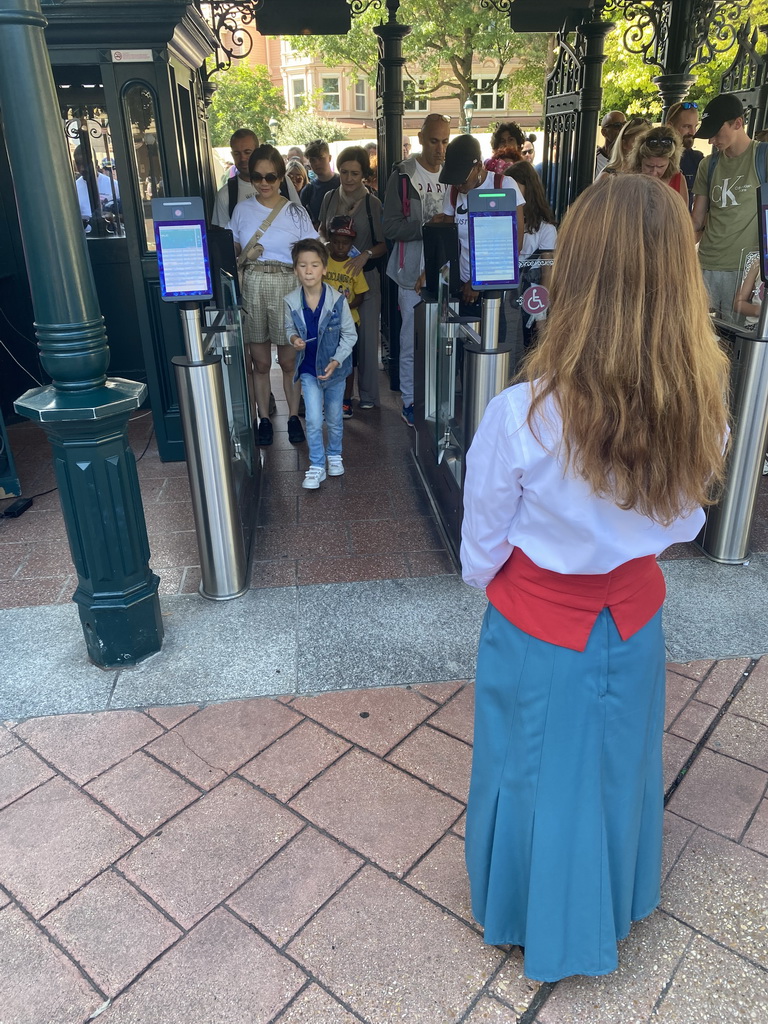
(275,904)
(752,700)
(719,684)
(378,810)
(756,835)
(142,792)
(457,716)
(12,557)
(294,759)
(677,832)
(438,692)
(38,984)
(30,593)
(676,753)
(647,961)
(280,573)
(314,1006)
(20,772)
(221,973)
(712,984)
(693,669)
(442,876)
(376,719)
(173,751)
(742,739)
(112,931)
(7,740)
(83,746)
(54,840)
(680,689)
(209,850)
(430,563)
(693,721)
(442,761)
(365,946)
(47,558)
(351,569)
(719,793)
(227,735)
(721,889)
(168,717)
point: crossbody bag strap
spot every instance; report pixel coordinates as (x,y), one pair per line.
(374,240)
(242,259)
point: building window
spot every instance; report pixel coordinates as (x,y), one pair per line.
(298,92)
(361,98)
(411,100)
(487,95)
(331,94)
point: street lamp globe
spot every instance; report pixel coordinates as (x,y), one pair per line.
(273,126)
(469,110)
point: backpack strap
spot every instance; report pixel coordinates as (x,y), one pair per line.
(232,194)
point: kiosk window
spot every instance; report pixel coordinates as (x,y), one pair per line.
(89,140)
(141,117)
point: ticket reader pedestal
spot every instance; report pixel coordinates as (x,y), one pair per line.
(186,278)
(726,534)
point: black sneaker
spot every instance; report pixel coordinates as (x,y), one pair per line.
(295,430)
(264,433)
(272,405)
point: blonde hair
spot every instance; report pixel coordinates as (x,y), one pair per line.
(618,163)
(642,151)
(628,352)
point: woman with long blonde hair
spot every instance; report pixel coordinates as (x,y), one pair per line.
(657,153)
(619,162)
(578,477)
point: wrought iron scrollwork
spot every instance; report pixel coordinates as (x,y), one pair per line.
(718,30)
(361,6)
(83,121)
(748,69)
(231,23)
(502,6)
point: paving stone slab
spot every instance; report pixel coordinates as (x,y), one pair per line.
(721,889)
(491,1011)
(756,835)
(457,716)
(647,960)
(442,875)
(511,986)
(293,760)
(20,772)
(111,930)
(677,832)
(28,956)
(367,946)
(221,972)
(752,699)
(440,760)
(742,739)
(314,1006)
(719,793)
(711,986)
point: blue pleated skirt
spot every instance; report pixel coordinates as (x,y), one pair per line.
(564,821)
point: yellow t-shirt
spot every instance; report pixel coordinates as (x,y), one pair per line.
(348,284)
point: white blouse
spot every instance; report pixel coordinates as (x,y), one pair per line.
(289,226)
(515,495)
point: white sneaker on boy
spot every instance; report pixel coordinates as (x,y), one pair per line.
(313,478)
(335,466)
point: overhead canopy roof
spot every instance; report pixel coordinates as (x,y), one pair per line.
(547,15)
(304,17)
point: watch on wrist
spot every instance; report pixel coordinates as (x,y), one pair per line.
(369,253)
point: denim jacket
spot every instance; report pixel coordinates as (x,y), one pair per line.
(336,332)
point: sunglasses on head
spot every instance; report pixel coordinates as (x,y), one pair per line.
(637,122)
(665,143)
(689,106)
(269,178)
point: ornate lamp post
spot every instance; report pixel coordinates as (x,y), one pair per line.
(469,111)
(273,126)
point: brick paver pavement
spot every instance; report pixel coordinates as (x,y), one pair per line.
(300,861)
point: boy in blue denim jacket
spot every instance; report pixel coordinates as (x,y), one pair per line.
(319,324)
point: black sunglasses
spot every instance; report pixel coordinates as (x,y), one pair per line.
(614,126)
(269,178)
(635,122)
(665,143)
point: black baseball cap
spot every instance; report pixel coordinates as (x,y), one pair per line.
(461,155)
(726,107)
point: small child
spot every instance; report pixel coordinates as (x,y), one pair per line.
(319,324)
(341,234)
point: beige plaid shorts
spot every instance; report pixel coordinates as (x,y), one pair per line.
(263,307)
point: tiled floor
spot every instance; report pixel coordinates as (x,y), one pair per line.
(300,861)
(372,523)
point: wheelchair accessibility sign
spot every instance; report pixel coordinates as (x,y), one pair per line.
(535,300)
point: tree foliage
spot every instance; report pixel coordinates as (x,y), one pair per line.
(302,126)
(245,98)
(628,82)
(453,33)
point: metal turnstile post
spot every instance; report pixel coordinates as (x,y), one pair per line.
(726,533)
(202,405)
(487,366)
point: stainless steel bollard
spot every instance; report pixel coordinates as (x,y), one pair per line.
(726,533)
(487,366)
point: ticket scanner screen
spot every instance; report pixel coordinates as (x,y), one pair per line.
(182,249)
(493,256)
(762,220)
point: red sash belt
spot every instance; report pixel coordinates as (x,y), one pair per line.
(562,609)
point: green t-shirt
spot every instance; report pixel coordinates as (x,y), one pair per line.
(732,217)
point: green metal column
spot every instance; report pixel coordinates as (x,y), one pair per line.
(84,414)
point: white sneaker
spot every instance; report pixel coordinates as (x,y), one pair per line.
(335,466)
(313,478)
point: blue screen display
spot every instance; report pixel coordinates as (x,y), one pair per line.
(182,255)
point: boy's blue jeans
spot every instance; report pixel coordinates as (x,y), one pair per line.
(317,400)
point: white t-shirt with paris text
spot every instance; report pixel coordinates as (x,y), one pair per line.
(431,191)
